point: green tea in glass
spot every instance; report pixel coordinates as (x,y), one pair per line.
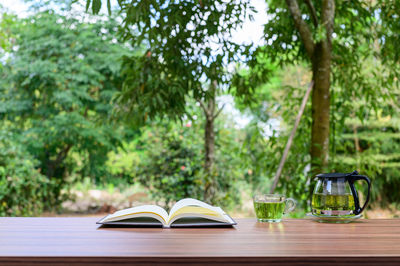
(271,207)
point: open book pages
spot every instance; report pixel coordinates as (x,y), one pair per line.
(186,212)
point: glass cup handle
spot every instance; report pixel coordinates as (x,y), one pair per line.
(290,205)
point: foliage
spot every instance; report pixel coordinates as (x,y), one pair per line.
(388,13)
(57,89)
(23,189)
(267,134)
(123,163)
(188,47)
(371,146)
(60,73)
(188,53)
(360,71)
(7,22)
(350,41)
(368,144)
(171,165)
(261,75)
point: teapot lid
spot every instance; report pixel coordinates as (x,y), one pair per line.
(336,175)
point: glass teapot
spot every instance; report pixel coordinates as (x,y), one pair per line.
(336,195)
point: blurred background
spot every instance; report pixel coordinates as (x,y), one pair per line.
(106,105)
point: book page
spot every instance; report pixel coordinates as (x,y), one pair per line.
(152,211)
(196,211)
(193,202)
(195,208)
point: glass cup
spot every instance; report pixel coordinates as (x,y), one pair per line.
(271,207)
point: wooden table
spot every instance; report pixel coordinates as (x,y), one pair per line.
(59,241)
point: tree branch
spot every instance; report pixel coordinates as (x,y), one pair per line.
(219,111)
(61,156)
(213,87)
(204,107)
(313,13)
(290,140)
(301,26)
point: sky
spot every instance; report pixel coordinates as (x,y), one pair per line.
(251,32)
(18,7)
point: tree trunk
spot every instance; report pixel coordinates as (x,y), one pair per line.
(52,165)
(320,54)
(321,68)
(209,142)
(210,113)
(209,146)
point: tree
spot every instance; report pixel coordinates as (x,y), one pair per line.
(188,51)
(388,31)
(273,114)
(24,191)
(61,77)
(364,81)
(371,146)
(171,160)
(335,37)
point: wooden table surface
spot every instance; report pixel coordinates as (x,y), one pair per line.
(58,241)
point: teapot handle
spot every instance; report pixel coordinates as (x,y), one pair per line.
(351,180)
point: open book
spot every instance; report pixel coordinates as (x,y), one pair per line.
(185,213)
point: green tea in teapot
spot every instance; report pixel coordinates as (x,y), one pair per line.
(323,202)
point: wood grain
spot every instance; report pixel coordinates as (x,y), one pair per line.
(62,241)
